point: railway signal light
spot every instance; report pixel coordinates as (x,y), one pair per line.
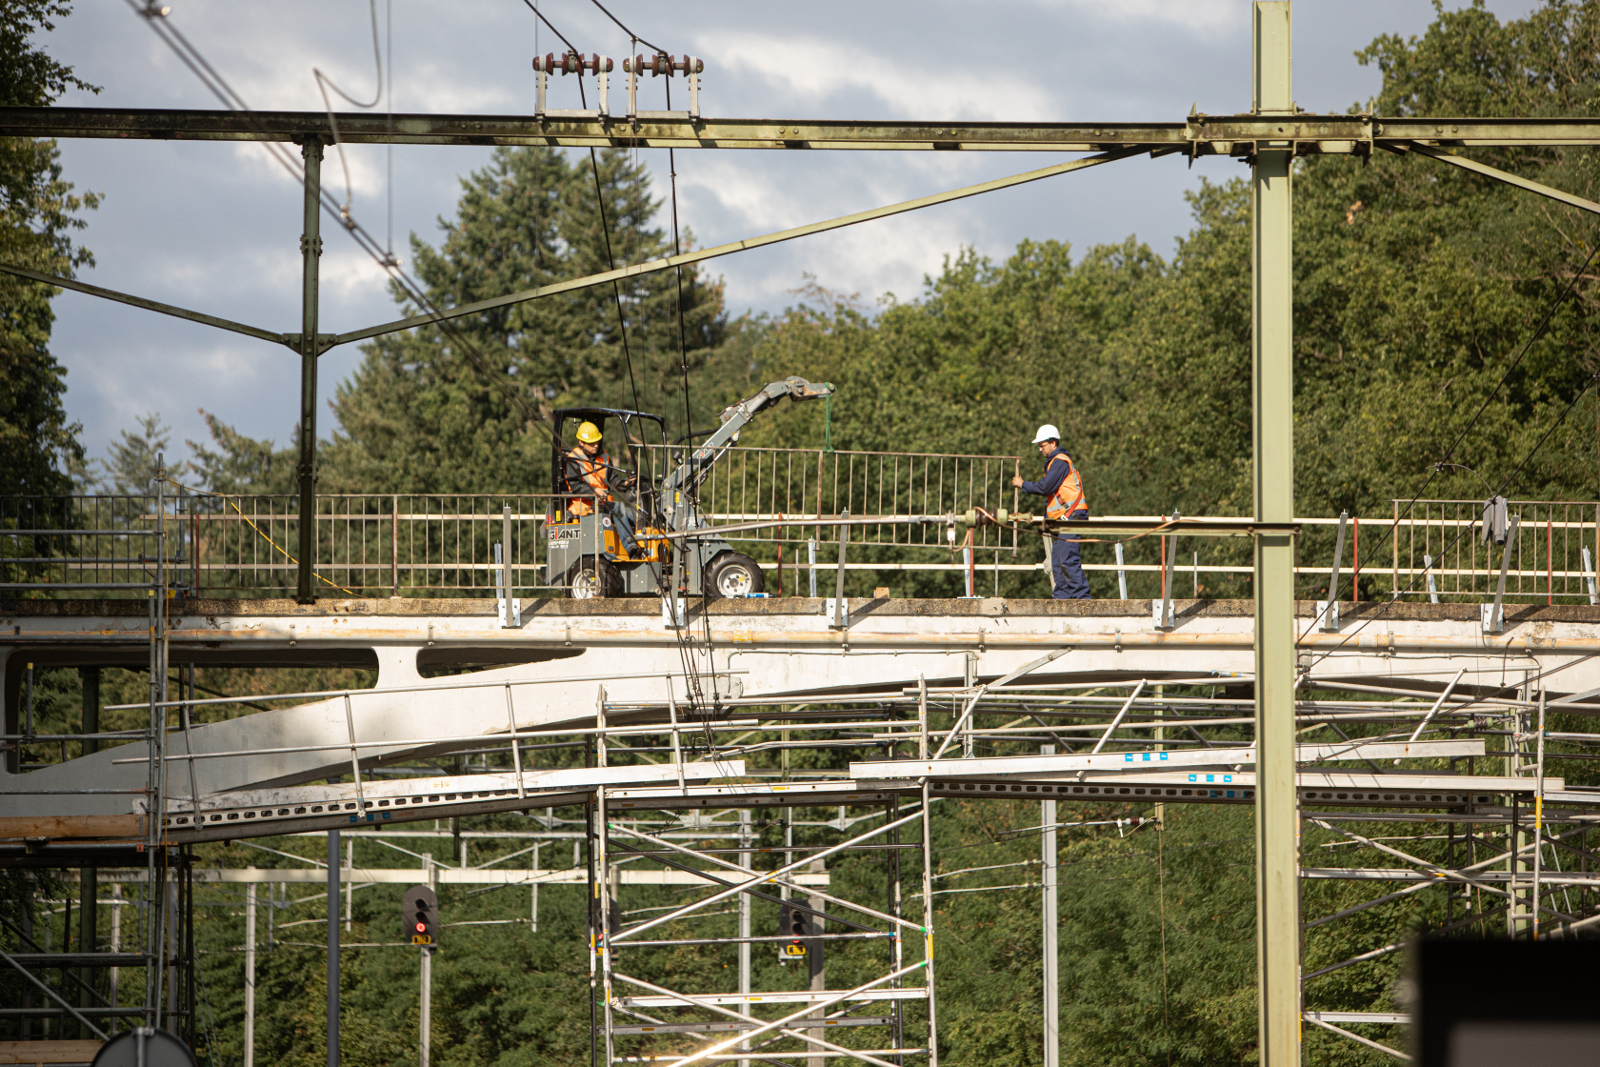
(419,913)
(803,945)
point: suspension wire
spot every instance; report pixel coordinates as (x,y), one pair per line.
(388,127)
(192,58)
(1375,616)
(1446,460)
(625,29)
(324,83)
(605,226)
(683,363)
(694,690)
(611,263)
(1537,333)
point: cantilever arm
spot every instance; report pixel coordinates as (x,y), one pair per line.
(149,305)
(702,254)
(1505,176)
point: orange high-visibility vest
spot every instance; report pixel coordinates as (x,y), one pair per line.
(594,474)
(1068,496)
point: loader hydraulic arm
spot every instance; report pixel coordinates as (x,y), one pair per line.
(694,469)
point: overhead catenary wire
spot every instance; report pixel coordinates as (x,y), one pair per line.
(1504,485)
(605,226)
(159,22)
(1448,457)
(324,83)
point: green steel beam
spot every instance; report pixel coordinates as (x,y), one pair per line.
(1507,177)
(700,255)
(149,305)
(1198,134)
(1272,341)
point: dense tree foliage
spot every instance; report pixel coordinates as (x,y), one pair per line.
(38,211)
(1424,366)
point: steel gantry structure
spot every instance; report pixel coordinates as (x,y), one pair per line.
(1268,139)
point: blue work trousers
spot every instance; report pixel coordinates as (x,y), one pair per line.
(1066,564)
(621,517)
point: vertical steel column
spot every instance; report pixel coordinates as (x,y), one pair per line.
(1277,821)
(425,1008)
(310,253)
(425,995)
(748,860)
(89,877)
(250,975)
(927,921)
(602,885)
(1047,859)
(333,948)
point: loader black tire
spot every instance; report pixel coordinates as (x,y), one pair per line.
(733,575)
(592,578)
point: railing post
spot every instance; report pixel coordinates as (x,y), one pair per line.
(394,547)
(310,251)
(1329,609)
(841,613)
(811,561)
(1494,615)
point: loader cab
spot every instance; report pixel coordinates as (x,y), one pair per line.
(586,555)
(627,438)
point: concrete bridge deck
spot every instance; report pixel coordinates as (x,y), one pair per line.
(547,674)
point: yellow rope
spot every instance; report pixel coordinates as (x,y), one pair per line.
(249,522)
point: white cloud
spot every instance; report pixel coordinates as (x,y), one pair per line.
(811,67)
(1206,15)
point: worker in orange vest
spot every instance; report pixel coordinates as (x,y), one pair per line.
(1063,485)
(587,465)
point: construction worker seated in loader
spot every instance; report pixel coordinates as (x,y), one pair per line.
(588,466)
(1062,484)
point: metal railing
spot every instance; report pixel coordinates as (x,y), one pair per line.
(1440,543)
(374,545)
(243,545)
(766,484)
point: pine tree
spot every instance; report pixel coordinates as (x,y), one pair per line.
(422,416)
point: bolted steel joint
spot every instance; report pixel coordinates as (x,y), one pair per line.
(305,245)
(662,64)
(573,63)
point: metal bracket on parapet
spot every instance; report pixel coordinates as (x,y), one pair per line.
(837,607)
(1162,614)
(667,604)
(1493,615)
(1328,610)
(506,607)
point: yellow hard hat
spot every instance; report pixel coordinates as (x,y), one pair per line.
(589,433)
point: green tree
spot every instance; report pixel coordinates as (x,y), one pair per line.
(38,211)
(421,416)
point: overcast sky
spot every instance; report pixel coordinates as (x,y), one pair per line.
(215,226)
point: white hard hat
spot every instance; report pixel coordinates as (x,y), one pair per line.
(1047,432)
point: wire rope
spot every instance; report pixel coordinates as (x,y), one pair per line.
(1447,460)
(694,689)
(192,58)
(324,83)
